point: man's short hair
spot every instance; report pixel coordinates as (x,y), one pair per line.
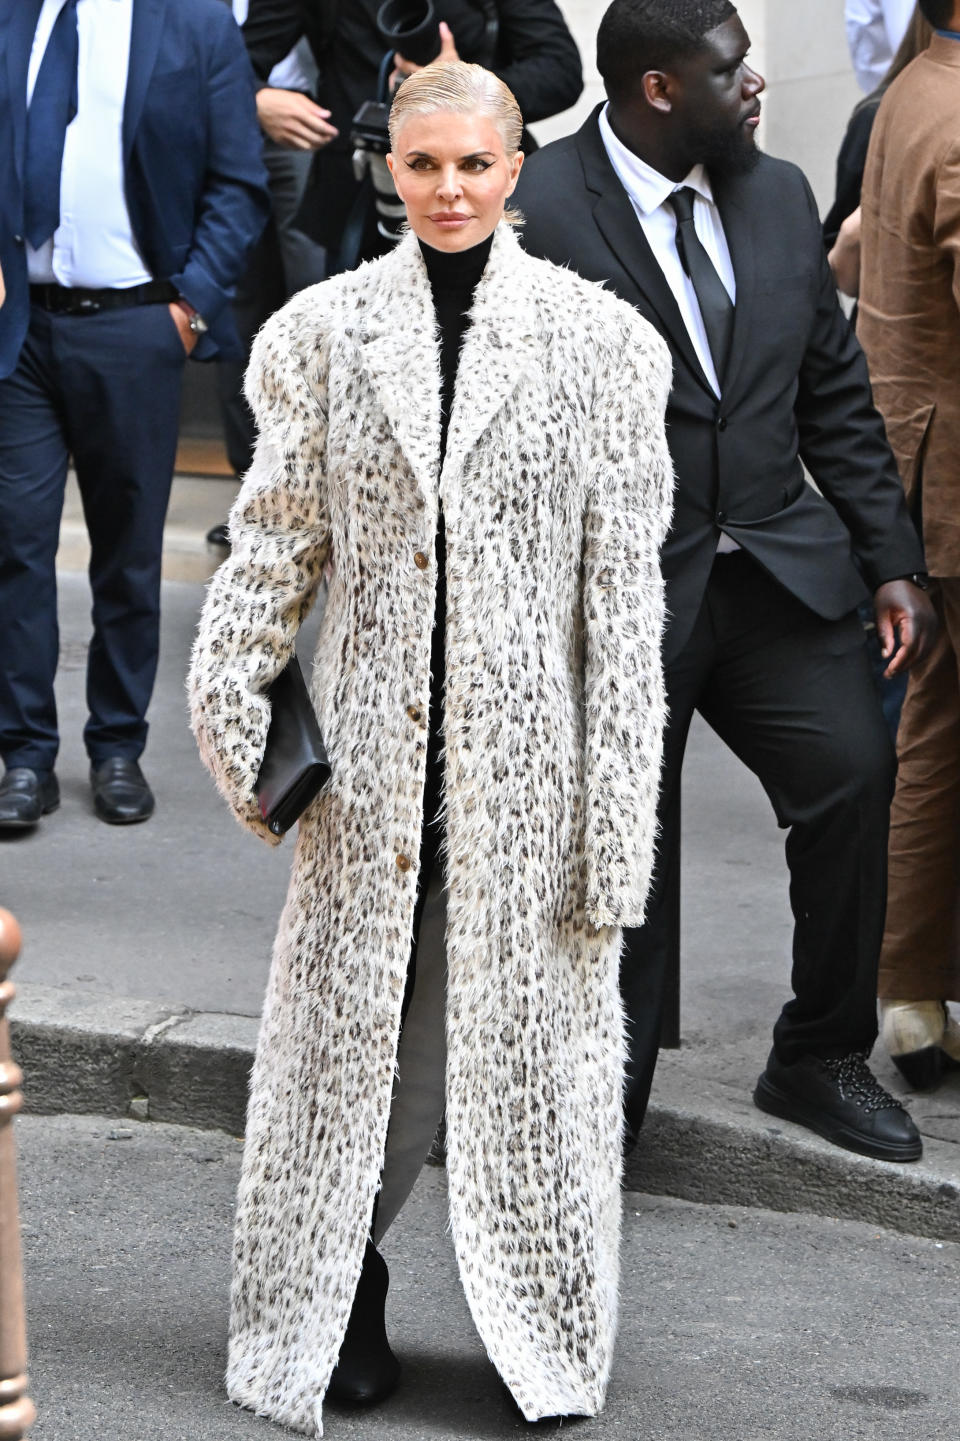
(640,35)
(938,12)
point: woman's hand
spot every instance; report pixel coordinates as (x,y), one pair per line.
(448,52)
(294,120)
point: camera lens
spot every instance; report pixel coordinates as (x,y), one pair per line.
(410,27)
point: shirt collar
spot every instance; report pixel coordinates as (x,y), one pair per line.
(647,188)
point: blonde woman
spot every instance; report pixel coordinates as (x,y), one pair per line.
(471,443)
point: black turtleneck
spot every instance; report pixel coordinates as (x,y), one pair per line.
(453,281)
(454,277)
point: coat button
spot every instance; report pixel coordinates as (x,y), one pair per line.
(420,560)
(403,862)
(721,517)
(722,422)
(414,712)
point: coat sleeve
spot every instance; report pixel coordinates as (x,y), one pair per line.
(279,533)
(628,511)
(270,31)
(946,216)
(842,440)
(538,58)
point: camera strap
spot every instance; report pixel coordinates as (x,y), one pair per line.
(491,40)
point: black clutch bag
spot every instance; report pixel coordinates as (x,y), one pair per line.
(294,765)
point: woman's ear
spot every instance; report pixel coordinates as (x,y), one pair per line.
(392,167)
(515,168)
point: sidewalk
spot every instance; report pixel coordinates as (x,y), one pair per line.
(736,1324)
(146,952)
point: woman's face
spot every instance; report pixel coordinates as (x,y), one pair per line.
(453,175)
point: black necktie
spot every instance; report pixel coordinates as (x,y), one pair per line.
(52,106)
(716,307)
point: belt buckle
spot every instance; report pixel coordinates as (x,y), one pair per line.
(88,306)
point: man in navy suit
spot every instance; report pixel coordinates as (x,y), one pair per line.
(131,190)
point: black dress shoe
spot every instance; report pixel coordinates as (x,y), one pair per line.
(219,535)
(25,796)
(367,1371)
(121,796)
(842,1100)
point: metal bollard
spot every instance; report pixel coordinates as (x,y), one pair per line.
(17,1413)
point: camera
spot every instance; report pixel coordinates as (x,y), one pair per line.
(411,28)
(370,139)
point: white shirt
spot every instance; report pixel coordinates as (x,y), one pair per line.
(93,246)
(297,70)
(649,191)
(874,31)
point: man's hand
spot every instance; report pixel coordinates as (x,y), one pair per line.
(188,337)
(293,120)
(448,51)
(904,610)
(844,258)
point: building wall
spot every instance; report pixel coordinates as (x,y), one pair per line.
(802,52)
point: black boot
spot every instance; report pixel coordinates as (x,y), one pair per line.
(367,1371)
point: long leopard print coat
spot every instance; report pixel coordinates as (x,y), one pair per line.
(556,492)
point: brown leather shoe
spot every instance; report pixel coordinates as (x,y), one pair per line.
(121,796)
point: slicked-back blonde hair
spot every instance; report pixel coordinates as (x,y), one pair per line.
(453,85)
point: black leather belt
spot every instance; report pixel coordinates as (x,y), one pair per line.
(72,300)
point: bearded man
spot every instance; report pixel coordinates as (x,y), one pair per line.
(663,195)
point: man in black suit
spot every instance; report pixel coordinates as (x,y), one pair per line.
(527,43)
(663,195)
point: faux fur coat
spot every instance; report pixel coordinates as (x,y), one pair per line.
(556,493)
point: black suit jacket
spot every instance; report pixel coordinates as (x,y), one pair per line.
(795,389)
(536,54)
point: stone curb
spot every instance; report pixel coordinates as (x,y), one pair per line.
(134,1058)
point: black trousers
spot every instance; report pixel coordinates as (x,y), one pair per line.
(105,389)
(283,261)
(793,698)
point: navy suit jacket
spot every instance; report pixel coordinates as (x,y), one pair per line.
(195,183)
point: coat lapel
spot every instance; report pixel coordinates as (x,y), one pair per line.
(22,25)
(145,36)
(400,353)
(499,349)
(617,222)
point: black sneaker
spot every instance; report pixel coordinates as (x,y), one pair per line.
(841,1099)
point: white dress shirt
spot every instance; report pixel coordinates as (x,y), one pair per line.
(93,246)
(649,191)
(874,31)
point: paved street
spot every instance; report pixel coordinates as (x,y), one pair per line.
(146,952)
(740,1325)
